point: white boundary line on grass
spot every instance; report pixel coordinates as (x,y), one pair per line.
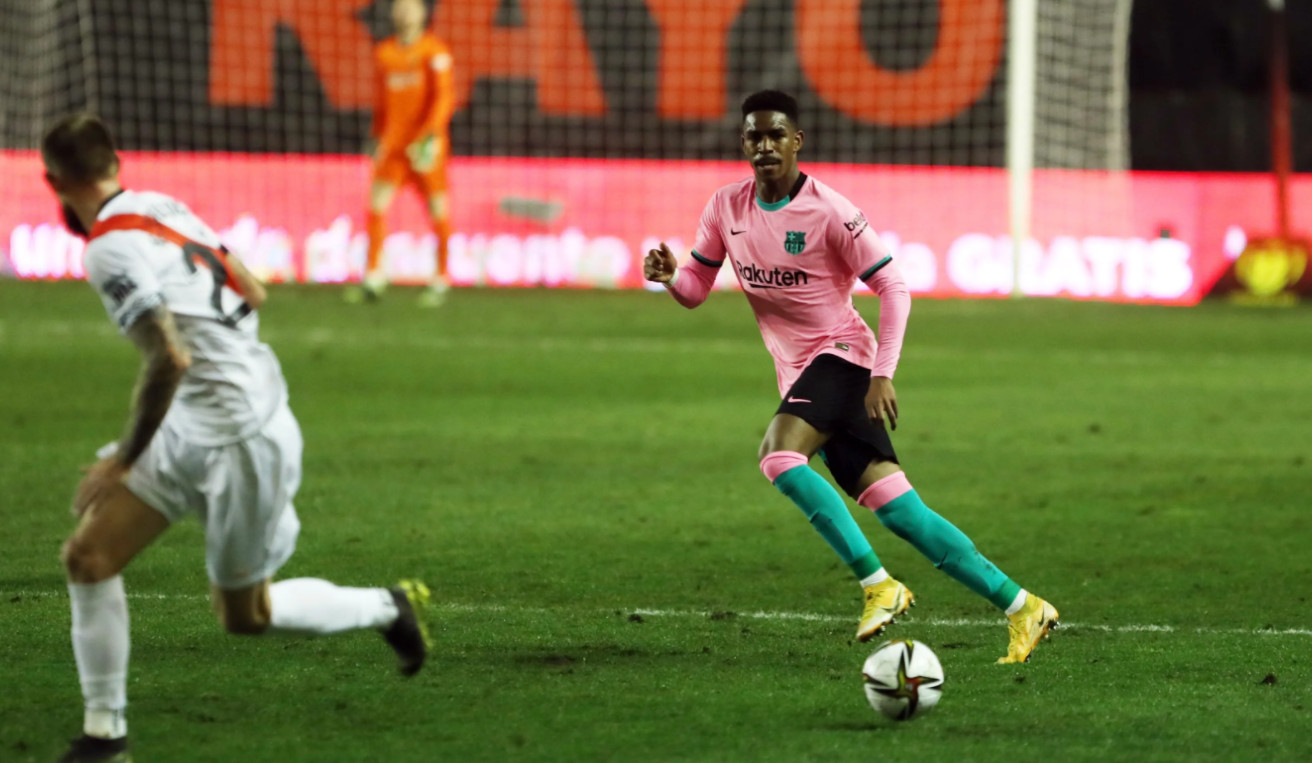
(940,622)
(966,622)
(634,344)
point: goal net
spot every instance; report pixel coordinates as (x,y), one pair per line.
(584,130)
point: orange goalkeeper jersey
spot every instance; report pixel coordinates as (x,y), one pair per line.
(414,96)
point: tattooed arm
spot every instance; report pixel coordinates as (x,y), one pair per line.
(164,359)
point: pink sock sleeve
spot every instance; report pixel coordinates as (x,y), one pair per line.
(781,461)
(884,491)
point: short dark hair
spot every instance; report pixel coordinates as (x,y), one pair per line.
(771,100)
(79,149)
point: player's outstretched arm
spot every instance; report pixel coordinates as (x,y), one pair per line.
(443,104)
(894,309)
(429,148)
(164,360)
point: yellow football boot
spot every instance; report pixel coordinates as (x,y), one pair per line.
(884,601)
(409,634)
(1027,627)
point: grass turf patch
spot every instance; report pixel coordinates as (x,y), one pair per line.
(574,473)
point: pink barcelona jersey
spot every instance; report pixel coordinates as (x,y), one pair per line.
(798,261)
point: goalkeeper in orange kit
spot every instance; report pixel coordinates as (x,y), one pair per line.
(413,111)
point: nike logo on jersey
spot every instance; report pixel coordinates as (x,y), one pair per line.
(792,399)
(733,232)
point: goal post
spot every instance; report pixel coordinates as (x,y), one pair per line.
(1022,52)
(1067,109)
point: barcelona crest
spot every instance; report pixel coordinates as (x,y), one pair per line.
(794,242)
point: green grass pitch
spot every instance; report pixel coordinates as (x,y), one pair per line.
(574,474)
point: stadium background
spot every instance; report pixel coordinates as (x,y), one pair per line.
(586,129)
(574,471)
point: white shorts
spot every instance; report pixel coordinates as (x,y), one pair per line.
(242,493)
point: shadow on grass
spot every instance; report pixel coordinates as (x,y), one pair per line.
(861,727)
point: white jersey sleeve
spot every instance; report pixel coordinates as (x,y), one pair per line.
(126,284)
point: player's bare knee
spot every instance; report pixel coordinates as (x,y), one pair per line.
(773,444)
(84,562)
(876,471)
(789,434)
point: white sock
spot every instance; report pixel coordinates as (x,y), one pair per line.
(878,576)
(313,606)
(106,724)
(100,644)
(1017,603)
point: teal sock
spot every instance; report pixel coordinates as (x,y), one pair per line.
(828,514)
(947,547)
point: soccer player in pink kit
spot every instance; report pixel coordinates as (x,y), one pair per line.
(798,247)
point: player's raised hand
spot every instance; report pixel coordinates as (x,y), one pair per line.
(881,401)
(659,264)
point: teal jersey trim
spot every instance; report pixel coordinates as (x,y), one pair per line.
(792,194)
(875,268)
(706,262)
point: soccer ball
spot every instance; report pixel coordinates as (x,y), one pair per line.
(903,679)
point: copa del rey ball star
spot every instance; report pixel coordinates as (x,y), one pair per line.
(903,679)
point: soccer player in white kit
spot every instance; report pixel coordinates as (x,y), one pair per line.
(210,434)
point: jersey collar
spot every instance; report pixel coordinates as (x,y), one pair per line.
(780,204)
(74,225)
(108,199)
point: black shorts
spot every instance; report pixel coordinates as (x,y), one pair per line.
(830,395)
